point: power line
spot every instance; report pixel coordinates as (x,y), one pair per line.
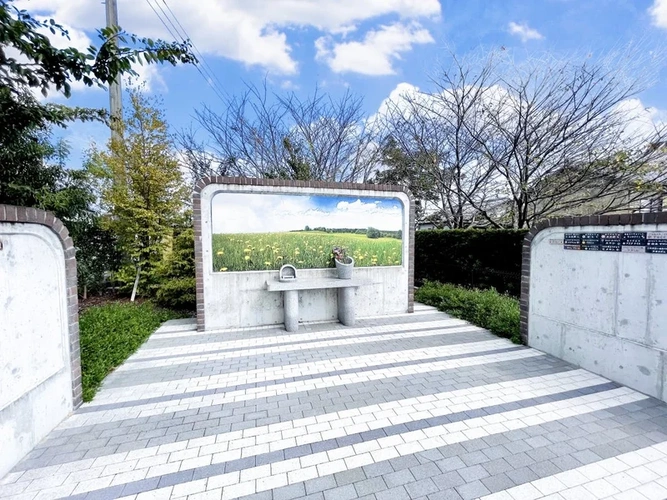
(187,36)
(208,80)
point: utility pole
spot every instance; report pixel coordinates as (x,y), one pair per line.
(115,95)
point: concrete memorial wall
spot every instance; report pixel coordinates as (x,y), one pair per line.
(594,293)
(40,372)
(246,229)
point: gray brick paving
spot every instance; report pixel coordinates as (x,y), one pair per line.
(114,449)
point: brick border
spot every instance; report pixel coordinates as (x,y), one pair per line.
(247,181)
(11,213)
(588,220)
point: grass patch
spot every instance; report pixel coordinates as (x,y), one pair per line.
(302,249)
(488,309)
(110,333)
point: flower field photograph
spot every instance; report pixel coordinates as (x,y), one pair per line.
(257,232)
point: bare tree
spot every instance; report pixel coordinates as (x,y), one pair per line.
(507,144)
(438,132)
(562,140)
(261,134)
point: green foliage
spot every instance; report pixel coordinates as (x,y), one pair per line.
(488,309)
(302,249)
(175,275)
(97,255)
(43,66)
(178,294)
(373,233)
(109,334)
(481,258)
(142,189)
(414,170)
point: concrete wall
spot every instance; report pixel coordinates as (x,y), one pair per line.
(239,299)
(603,311)
(36,348)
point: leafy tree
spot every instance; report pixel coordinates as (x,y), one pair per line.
(373,233)
(28,60)
(176,288)
(144,209)
(42,66)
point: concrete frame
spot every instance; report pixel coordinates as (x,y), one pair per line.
(11,213)
(565,222)
(244,181)
(610,323)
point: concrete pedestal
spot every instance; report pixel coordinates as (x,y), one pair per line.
(346,298)
(291,298)
(346,310)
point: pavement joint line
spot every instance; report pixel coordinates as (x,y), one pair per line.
(232,353)
(407,412)
(79,419)
(570,405)
(414,356)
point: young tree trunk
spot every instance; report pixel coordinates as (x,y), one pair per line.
(136,284)
(85,292)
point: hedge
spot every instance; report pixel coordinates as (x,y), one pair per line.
(488,309)
(481,258)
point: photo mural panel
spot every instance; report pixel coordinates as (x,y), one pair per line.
(259,231)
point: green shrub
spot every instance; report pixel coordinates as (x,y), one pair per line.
(175,276)
(178,294)
(481,258)
(488,309)
(110,333)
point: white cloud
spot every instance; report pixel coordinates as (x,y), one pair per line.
(524,32)
(377,52)
(289,85)
(658,12)
(642,121)
(148,77)
(253,32)
(247,213)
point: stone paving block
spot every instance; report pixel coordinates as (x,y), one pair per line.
(370,486)
(349,476)
(522,475)
(448,480)
(346,492)
(290,492)
(320,484)
(398,493)
(472,490)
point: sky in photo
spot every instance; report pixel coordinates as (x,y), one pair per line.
(372,47)
(267,213)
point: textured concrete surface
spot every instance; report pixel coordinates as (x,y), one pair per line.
(417,406)
(35,374)
(611,317)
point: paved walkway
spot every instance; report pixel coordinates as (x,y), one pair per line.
(417,406)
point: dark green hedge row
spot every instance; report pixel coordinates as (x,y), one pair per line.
(481,258)
(485,308)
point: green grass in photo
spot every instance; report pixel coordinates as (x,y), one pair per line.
(302,249)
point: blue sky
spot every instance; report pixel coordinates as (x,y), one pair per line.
(264,213)
(367,46)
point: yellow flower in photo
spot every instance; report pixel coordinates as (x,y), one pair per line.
(267,263)
(223,269)
(220,253)
(247,257)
